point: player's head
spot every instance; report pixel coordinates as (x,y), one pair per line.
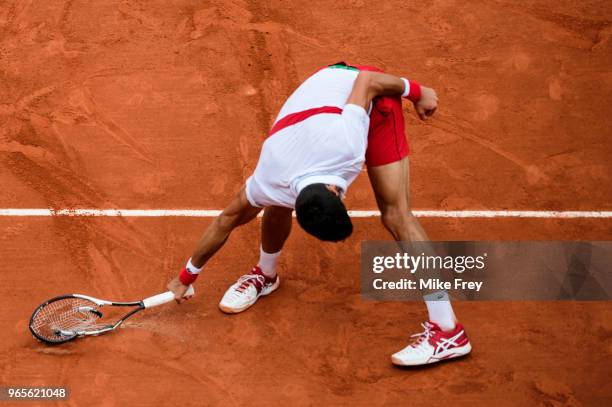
(321,212)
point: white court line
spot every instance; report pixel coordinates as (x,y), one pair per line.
(207,213)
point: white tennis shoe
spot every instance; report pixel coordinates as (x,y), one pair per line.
(245,292)
(433,345)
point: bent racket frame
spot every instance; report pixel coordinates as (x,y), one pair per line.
(67,317)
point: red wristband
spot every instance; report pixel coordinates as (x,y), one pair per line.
(415,92)
(186,277)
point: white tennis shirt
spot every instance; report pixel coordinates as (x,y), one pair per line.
(325,148)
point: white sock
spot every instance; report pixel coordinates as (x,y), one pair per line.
(267,262)
(440,310)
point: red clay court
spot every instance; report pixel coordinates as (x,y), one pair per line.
(164,105)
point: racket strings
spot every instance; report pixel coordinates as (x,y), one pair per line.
(66,317)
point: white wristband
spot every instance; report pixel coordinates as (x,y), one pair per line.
(191,268)
(406,87)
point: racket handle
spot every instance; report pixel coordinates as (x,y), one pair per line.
(164,298)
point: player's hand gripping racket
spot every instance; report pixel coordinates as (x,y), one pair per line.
(64,318)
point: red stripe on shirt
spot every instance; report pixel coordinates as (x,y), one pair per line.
(298,117)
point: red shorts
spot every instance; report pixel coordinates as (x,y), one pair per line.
(387,141)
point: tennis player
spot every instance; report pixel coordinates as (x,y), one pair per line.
(340,118)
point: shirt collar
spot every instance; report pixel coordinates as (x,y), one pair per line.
(303,181)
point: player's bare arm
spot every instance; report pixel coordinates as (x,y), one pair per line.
(369,85)
(237,213)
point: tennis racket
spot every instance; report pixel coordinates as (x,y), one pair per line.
(64,318)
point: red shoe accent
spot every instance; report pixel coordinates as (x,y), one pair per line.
(257,282)
(438,334)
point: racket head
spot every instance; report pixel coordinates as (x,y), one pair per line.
(64,318)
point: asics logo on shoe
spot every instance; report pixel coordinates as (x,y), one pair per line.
(444,344)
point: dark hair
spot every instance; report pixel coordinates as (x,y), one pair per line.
(321,213)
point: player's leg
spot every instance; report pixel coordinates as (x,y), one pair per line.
(390,183)
(275,229)
(262,280)
(443,336)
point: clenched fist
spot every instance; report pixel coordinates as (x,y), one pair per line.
(427,105)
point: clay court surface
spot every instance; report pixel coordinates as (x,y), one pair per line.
(157,104)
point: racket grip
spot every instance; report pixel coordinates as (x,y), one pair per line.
(164,298)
